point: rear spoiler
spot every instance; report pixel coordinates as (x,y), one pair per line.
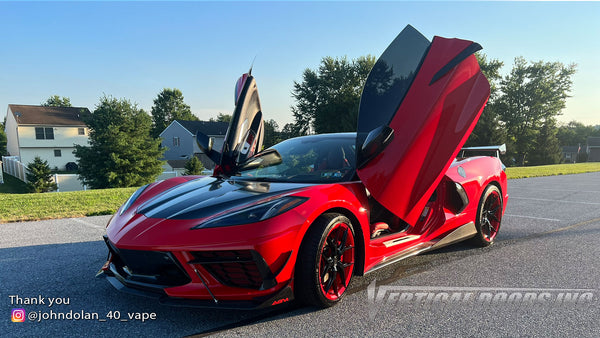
(499,150)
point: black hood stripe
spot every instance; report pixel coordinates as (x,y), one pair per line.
(206,197)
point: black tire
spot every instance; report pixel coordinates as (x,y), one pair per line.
(325,262)
(489,216)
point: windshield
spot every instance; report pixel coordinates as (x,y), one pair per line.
(308,159)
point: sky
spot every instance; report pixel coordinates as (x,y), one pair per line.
(132,50)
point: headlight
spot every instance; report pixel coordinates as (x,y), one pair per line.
(132,199)
(255,213)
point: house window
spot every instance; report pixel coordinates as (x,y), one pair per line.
(81,131)
(44,133)
(57,153)
(176,141)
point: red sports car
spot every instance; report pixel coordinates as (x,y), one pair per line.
(300,219)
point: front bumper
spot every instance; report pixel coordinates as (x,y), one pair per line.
(284,296)
(205,278)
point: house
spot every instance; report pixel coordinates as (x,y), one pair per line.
(593,149)
(47,132)
(180,140)
(569,153)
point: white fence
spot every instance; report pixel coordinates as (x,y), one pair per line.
(1,175)
(68,182)
(166,175)
(65,182)
(14,167)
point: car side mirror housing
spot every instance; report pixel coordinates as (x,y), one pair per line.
(204,142)
(502,149)
(377,140)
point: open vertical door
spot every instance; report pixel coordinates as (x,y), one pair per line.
(245,134)
(420,103)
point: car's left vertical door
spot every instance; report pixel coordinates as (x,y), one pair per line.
(244,137)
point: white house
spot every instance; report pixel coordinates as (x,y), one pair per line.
(180,140)
(47,132)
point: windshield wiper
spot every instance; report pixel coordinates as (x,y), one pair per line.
(257,179)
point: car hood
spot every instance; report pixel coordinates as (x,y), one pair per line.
(162,215)
(209,196)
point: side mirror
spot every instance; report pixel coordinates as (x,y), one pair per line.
(204,142)
(374,144)
(502,149)
(263,159)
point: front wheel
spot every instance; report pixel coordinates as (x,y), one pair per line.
(326,261)
(489,216)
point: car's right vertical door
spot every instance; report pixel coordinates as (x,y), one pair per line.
(430,95)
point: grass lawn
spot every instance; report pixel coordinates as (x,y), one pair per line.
(552,170)
(31,207)
(15,205)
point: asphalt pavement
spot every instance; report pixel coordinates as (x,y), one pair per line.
(540,278)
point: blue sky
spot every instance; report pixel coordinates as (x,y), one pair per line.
(134,49)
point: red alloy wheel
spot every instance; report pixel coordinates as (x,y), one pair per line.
(337,261)
(491,214)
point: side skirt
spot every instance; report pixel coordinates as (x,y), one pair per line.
(461,233)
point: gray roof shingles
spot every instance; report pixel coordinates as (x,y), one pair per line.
(206,127)
(51,116)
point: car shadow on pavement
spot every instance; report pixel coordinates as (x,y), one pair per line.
(67,272)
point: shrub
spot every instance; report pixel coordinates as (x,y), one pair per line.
(39,176)
(193,167)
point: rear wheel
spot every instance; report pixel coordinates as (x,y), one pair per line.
(326,261)
(489,216)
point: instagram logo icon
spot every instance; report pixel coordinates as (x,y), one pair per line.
(18,315)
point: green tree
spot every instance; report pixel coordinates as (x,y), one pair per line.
(221,118)
(489,129)
(327,99)
(289,130)
(546,149)
(39,176)
(271,133)
(575,133)
(57,101)
(169,106)
(121,152)
(533,95)
(193,166)
(582,156)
